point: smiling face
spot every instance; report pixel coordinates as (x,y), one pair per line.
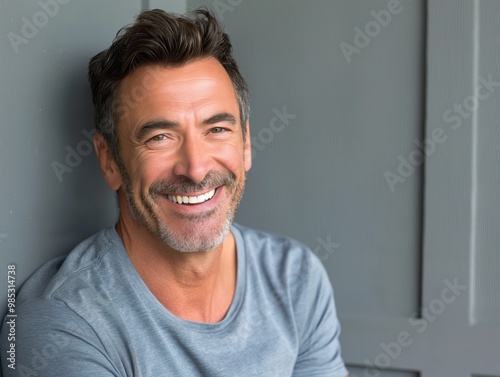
(183,155)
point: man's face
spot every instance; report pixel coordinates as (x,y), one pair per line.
(183,156)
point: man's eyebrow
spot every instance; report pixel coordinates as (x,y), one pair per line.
(155,125)
(220,117)
(167,124)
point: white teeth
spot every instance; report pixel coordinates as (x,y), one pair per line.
(191,199)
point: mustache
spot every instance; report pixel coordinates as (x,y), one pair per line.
(186,185)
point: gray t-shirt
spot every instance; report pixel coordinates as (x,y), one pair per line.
(90,314)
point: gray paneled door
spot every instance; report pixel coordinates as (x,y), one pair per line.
(386,165)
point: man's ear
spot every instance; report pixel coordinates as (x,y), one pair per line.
(107,163)
(248,148)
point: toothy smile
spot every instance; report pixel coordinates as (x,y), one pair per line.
(184,199)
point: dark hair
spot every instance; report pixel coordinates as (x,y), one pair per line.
(158,37)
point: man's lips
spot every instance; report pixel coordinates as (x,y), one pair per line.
(191,199)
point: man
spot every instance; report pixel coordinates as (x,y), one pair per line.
(176,289)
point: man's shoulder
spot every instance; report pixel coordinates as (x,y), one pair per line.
(72,269)
(278,255)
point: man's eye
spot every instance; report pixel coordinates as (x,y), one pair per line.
(217,130)
(158,137)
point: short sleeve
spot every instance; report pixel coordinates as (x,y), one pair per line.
(51,340)
(319,329)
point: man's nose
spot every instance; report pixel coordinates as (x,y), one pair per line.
(194,160)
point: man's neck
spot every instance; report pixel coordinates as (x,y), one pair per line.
(196,286)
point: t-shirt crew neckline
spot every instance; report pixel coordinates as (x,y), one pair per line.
(150,300)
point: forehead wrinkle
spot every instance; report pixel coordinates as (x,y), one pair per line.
(187,90)
(192,93)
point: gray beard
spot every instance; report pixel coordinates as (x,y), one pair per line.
(186,243)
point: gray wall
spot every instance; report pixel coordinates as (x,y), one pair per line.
(319,175)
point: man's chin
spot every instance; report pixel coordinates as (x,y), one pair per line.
(195,240)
